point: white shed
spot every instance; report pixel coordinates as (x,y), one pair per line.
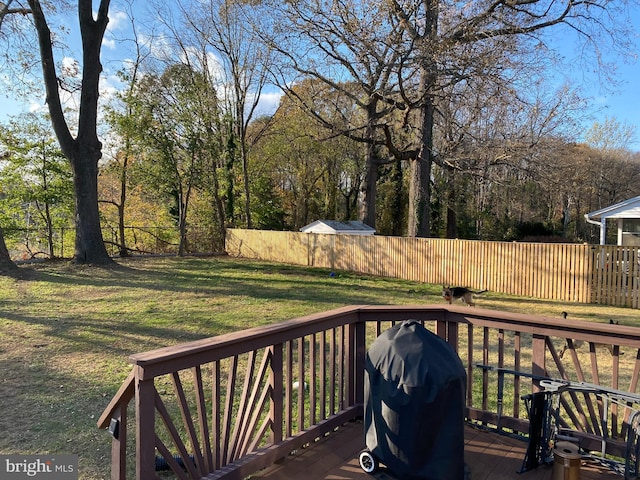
(334,227)
(627,214)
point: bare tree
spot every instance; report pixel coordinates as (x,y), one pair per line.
(354,49)
(454,40)
(216,38)
(483,130)
(424,46)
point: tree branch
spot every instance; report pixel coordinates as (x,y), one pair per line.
(5,10)
(51,80)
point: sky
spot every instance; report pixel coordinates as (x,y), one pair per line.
(620,101)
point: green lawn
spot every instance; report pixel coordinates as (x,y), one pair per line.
(66,331)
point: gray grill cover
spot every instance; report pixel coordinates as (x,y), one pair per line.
(415,387)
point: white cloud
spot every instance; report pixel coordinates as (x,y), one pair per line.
(268,103)
(159,46)
(109,43)
(109,86)
(117,20)
(35,107)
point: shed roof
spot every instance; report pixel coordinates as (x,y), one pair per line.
(627,209)
(332,227)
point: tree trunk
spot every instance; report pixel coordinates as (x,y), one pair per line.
(6,264)
(420,180)
(89,244)
(397,225)
(122,237)
(245,177)
(369,187)
(452,219)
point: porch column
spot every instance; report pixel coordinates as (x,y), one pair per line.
(620,220)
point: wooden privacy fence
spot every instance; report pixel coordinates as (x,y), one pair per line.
(567,272)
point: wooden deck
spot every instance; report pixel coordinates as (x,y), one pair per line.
(246,380)
(488,456)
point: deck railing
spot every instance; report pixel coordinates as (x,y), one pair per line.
(228,406)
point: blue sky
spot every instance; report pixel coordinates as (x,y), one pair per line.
(621,101)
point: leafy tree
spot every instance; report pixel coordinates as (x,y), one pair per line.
(268,212)
(317,174)
(147,220)
(37,176)
(120,116)
(239,72)
(392,200)
(8,10)
(178,133)
(352,51)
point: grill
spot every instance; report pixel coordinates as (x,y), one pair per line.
(415,387)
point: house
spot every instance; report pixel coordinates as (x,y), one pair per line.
(334,227)
(627,214)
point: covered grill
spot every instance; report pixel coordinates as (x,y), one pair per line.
(415,386)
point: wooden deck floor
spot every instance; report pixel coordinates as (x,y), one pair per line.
(488,456)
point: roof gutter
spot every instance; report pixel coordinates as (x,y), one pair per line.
(602,224)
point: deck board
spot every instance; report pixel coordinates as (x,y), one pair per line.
(487,455)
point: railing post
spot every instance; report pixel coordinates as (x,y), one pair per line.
(355,363)
(538,367)
(145,426)
(276,380)
(119,444)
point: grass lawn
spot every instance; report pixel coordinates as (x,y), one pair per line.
(66,331)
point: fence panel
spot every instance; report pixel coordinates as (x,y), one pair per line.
(567,272)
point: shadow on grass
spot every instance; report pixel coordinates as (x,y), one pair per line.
(233,277)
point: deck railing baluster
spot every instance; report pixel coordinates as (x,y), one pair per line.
(516,380)
(276,382)
(288,396)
